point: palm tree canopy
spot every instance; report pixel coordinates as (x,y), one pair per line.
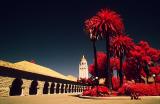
(91,28)
(110,21)
(105,21)
(121,44)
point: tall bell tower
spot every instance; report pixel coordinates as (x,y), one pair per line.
(83,68)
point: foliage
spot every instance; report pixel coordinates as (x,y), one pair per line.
(104,21)
(136,61)
(121,44)
(96,91)
(140,88)
(101,61)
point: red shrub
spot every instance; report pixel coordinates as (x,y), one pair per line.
(86,93)
(155,70)
(141,89)
(102,91)
(158,79)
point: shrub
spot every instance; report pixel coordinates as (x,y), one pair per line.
(140,89)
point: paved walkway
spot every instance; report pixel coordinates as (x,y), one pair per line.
(72,99)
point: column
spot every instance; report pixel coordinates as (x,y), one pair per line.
(60,86)
(40,87)
(5,88)
(49,87)
(55,87)
(80,88)
(64,88)
(25,87)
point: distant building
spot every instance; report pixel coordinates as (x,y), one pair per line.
(83,68)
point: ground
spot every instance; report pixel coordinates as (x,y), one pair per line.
(72,99)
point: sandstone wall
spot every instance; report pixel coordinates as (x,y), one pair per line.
(5,84)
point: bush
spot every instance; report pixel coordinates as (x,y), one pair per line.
(96,91)
(141,89)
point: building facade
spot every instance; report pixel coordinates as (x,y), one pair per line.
(83,68)
(25,78)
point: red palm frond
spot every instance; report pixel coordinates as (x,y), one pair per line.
(121,44)
(110,21)
(105,21)
(91,27)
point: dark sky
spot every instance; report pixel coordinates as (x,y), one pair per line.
(51,32)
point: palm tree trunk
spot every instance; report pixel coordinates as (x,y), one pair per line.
(146,70)
(108,72)
(120,72)
(95,58)
(95,63)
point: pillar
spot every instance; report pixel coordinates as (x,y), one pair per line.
(80,88)
(49,87)
(64,88)
(60,87)
(40,87)
(55,86)
(77,88)
(5,84)
(25,87)
(67,88)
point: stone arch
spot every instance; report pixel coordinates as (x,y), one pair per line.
(33,87)
(52,88)
(57,88)
(62,88)
(69,88)
(16,87)
(73,87)
(45,88)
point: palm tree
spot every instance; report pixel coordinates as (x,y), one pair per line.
(109,24)
(120,46)
(105,24)
(91,29)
